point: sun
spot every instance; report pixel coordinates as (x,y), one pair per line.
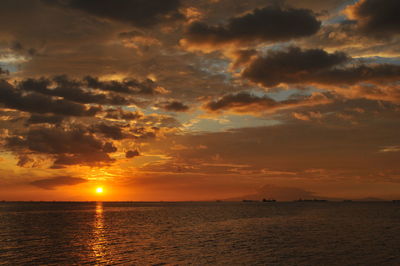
(99,190)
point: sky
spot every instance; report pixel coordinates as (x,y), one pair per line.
(199,99)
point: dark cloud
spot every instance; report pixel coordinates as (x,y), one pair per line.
(41,119)
(59,181)
(109,147)
(175,106)
(131,154)
(144,133)
(346,37)
(16,46)
(129,34)
(377,17)
(120,114)
(63,160)
(290,65)
(4,72)
(124,131)
(128,86)
(69,89)
(25,161)
(66,146)
(269,24)
(244,102)
(161,121)
(139,13)
(14,98)
(381,73)
(315,66)
(109,131)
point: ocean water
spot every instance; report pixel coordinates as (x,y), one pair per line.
(195,233)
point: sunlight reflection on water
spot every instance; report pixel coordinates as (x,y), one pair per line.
(99,239)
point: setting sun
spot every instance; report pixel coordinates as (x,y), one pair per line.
(99,190)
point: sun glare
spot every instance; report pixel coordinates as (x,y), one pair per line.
(99,190)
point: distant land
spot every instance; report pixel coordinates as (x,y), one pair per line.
(281,193)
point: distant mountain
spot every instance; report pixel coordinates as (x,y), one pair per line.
(281,193)
(370,199)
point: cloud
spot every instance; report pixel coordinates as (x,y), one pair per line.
(4,72)
(65,146)
(109,131)
(390,149)
(140,13)
(42,119)
(59,181)
(289,66)
(307,116)
(128,86)
(119,114)
(142,133)
(269,24)
(316,66)
(72,90)
(175,106)
(131,154)
(244,102)
(86,90)
(139,41)
(377,17)
(380,73)
(242,57)
(13,98)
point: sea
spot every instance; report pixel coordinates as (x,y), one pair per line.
(199,233)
